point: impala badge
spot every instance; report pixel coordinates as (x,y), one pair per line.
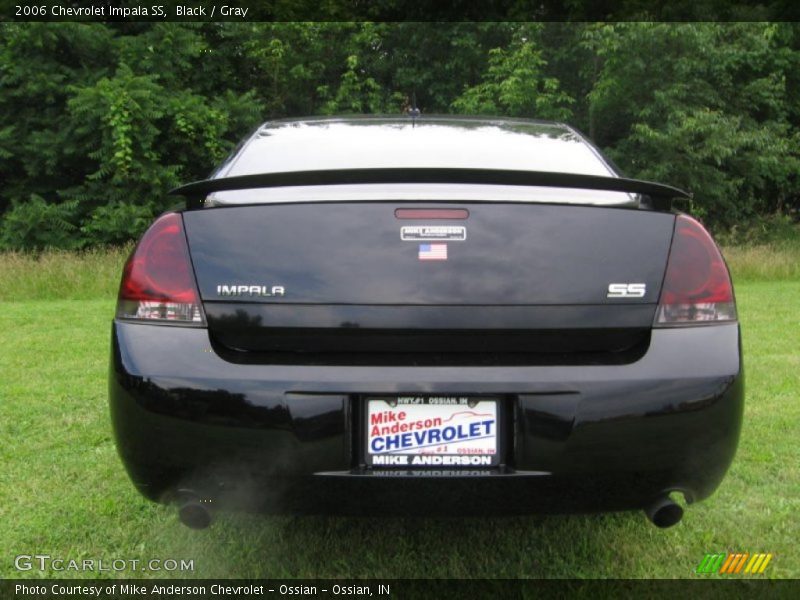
(263,291)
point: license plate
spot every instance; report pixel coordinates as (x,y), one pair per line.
(432,431)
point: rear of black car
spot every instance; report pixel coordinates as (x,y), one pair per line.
(315,356)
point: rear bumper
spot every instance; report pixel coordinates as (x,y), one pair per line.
(286,438)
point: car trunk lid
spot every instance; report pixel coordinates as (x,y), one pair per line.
(353,277)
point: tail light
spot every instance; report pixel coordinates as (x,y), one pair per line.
(697,286)
(158,283)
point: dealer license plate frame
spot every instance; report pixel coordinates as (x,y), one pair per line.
(442,404)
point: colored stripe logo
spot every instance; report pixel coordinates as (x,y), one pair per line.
(734,563)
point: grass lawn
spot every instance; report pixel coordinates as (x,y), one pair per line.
(63,491)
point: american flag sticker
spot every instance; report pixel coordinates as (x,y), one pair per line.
(433,251)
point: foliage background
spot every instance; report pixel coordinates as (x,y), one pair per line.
(98,121)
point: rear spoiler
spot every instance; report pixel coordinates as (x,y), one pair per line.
(660,194)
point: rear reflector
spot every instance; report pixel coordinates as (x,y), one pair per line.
(697,286)
(158,281)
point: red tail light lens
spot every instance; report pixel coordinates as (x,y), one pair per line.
(697,287)
(158,282)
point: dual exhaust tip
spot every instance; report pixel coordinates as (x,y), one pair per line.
(664,512)
(196,514)
(193,511)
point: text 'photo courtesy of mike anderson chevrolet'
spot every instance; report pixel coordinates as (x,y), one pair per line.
(425,315)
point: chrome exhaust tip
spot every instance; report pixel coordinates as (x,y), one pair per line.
(193,512)
(664,512)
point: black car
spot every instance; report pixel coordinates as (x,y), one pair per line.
(425,315)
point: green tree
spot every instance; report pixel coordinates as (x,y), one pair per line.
(703,106)
(98,121)
(516,84)
(89,143)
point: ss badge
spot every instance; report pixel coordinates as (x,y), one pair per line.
(626,290)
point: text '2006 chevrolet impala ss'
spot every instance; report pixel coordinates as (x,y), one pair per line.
(425,315)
